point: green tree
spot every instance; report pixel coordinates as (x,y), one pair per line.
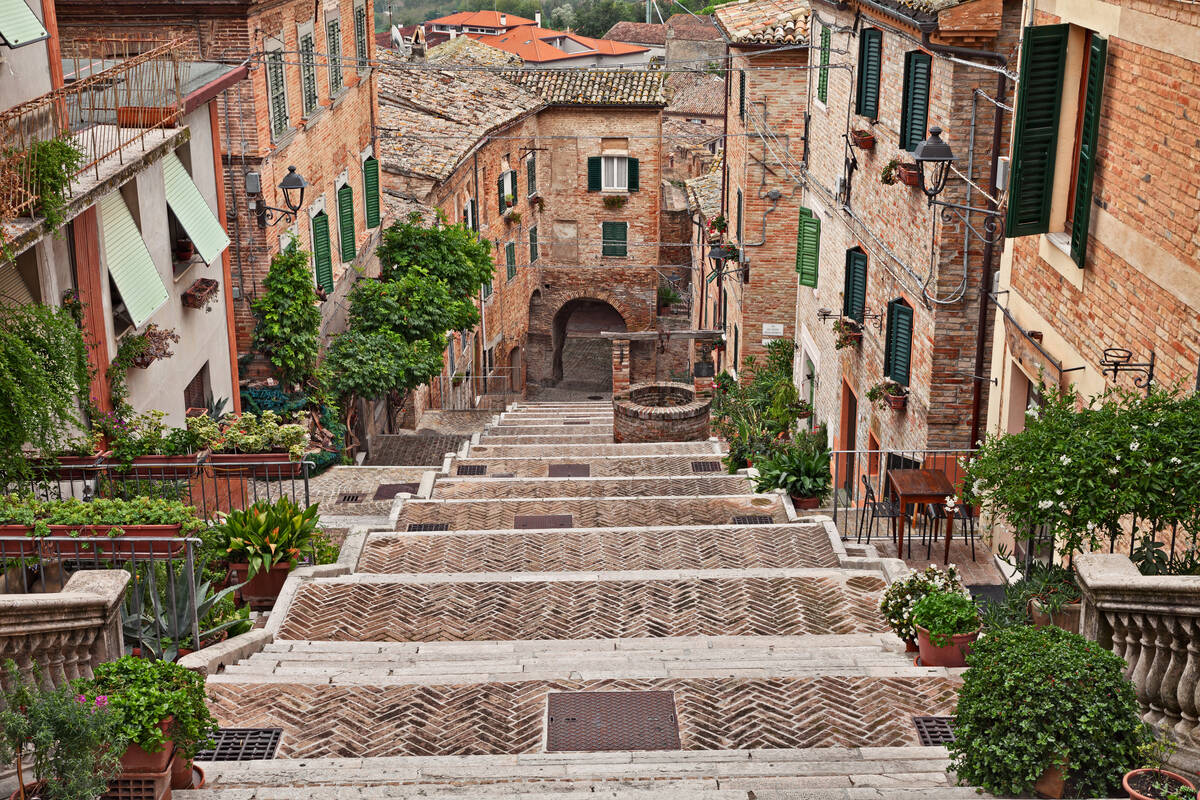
(418,305)
(452,253)
(370,363)
(288,332)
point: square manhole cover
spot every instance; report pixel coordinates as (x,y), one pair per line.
(706,466)
(472,469)
(243,744)
(754,519)
(591,721)
(576,422)
(569,471)
(543,521)
(417,527)
(388,491)
(350,497)
(934,730)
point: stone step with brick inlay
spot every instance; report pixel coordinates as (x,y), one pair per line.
(599,550)
(608,512)
(490,440)
(572,606)
(597,466)
(681,486)
(567,451)
(547,430)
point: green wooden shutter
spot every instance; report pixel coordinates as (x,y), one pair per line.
(515,186)
(322,253)
(333,42)
(632,174)
(897,350)
(531,172)
(500,193)
(510,259)
(594,168)
(370,169)
(823,74)
(614,238)
(345,197)
(19,26)
(808,248)
(277,91)
(360,35)
(1035,131)
(1081,216)
(474,215)
(854,293)
(308,73)
(742,93)
(192,211)
(870,49)
(738,229)
(533,248)
(914,111)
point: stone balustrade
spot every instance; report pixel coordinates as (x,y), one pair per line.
(65,633)
(1153,622)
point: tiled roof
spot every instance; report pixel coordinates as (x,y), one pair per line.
(652,33)
(704,193)
(765,21)
(536,45)
(481,19)
(465,50)
(686,26)
(922,12)
(691,133)
(589,87)
(399,208)
(699,94)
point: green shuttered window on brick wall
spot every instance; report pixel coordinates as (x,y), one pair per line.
(823,73)
(870,57)
(897,349)
(322,253)
(510,259)
(1035,129)
(854,293)
(308,74)
(360,35)
(345,198)
(595,166)
(740,208)
(614,238)
(370,168)
(1089,135)
(914,108)
(633,174)
(531,172)
(277,91)
(533,244)
(333,40)
(808,248)
(742,93)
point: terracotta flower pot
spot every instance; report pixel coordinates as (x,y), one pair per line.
(124,545)
(255,465)
(138,760)
(163,467)
(864,139)
(1066,617)
(33,791)
(806,502)
(185,774)
(28,546)
(1052,783)
(953,654)
(69,468)
(263,589)
(896,401)
(1140,779)
(908,175)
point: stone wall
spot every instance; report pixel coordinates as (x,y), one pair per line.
(660,412)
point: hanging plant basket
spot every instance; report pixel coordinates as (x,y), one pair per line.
(202,292)
(897,402)
(908,175)
(863,139)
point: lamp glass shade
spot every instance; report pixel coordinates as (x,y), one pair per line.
(293,189)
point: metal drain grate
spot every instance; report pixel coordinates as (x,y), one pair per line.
(472,469)
(934,730)
(706,466)
(754,519)
(594,397)
(417,527)
(350,497)
(577,422)
(591,721)
(569,471)
(243,744)
(388,491)
(543,521)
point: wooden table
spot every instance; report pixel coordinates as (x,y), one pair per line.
(913,486)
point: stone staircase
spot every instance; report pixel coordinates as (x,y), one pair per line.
(427,669)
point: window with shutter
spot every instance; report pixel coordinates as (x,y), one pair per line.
(1035,129)
(474,215)
(823,72)
(277,91)
(510,259)
(914,111)
(870,50)
(1089,134)
(531,173)
(632,170)
(308,74)
(897,349)
(808,248)
(501,201)
(742,93)
(487,290)
(854,293)
(740,208)
(533,247)
(613,236)
(370,168)
(616,173)
(333,41)
(594,173)
(345,197)
(360,35)
(322,252)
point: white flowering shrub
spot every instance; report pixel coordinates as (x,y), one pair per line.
(898,600)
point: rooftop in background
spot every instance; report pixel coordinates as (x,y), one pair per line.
(692,28)
(696,94)
(540,45)
(465,50)
(481,19)
(704,192)
(765,21)
(594,87)
(649,33)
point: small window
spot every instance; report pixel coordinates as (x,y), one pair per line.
(322,252)
(308,73)
(531,172)
(870,51)
(277,94)
(897,349)
(533,244)
(510,259)
(614,238)
(506,189)
(487,290)
(914,110)
(616,174)
(333,39)
(370,170)
(197,392)
(808,248)
(348,247)
(742,93)
(360,35)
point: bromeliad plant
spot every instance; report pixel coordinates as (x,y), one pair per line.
(265,535)
(901,597)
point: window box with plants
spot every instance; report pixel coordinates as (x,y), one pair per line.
(96,524)
(903,594)
(863,139)
(615,202)
(201,294)
(140,350)
(903,171)
(144,447)
(847,333)
(260,446)
(888,394)
(716,228)
(947,624)
(800,468)
(79,460)
(263,543)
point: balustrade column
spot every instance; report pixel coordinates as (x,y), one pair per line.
(1187,691)
(1177,657)
(1160,642)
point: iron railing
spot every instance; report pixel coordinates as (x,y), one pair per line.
(117,92)
(463,392)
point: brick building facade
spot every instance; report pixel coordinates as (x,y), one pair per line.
(308,102)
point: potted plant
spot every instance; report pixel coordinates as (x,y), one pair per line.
(142,349)
(184,249)
(97,523)
(143,446)
(160,707)
(716,228)
(200,294)
(863,139)
(1054,596)
(263,543)
(848,333)
(902,595)
(667,296)
(79,460)
(908,174)
(1044,705)
(1151,781)
(540,202)
(262,445)
(160,627)
(947,624)
(513,218)
(888,175)
(801,469)
(888,394)
(72,741)
(614,202)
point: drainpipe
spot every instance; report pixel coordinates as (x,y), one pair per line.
(988,247)
(53,49)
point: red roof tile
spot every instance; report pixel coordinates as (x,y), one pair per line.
(481,19)
(652,33)
(532,44)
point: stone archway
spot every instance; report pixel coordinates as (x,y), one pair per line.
(580,358)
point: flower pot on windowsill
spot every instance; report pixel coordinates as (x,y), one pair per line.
(953,654)
(864,140)
(261,591)
(897,402)
(202,292)
(184,249)
(908,175)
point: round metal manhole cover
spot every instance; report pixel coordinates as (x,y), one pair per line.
(595,397)
(761,501)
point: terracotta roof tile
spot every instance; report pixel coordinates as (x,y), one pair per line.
(688,27)
(465,50)
(704,192)
(765,21)
(594,87)
(482,19)
(536,45)
(652,33)
(696,93)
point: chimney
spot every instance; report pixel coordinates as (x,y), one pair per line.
(537,18)
(503,20)
(453,33)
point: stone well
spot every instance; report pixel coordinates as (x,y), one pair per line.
(660,412)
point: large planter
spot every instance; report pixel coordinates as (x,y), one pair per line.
(28,546)
(908,175)
(185,774)
(33,791)
(162,467)
(95,539)
(137,760)
(256,465)
(1066,617)
(805,503)
(69,468)
(1052,783)
(952,655)
(1137,782)
(261,591)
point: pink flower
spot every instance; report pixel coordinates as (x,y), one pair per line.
(102,701)
(81,698)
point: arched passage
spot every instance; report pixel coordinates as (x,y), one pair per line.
(581,359)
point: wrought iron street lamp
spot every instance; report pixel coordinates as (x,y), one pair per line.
(292,187)
(934,158)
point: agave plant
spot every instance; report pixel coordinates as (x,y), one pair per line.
(158,615)
(264,535)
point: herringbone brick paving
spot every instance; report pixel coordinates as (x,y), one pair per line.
(585,450)
(749,547)
(648,466)
(646,487)
(593,513)
(566,437)
(539,610)
(501,718)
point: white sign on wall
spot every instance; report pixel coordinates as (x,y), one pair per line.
(772,329)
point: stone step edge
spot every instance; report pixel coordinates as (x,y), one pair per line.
(374,534)
(626,457)
(775,499)
(883,640)
(588,576)
(690,476)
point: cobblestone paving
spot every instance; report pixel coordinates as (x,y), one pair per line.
(592,513)
(414,449)
(648,487)
(748,547)
(500,718)
(407,612)
(633,466)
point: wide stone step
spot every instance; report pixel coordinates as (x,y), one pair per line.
(695,485)
(830,773)
(601,550)
(536,466)
(609,605)
(566,451)
(548,430)
(609,512)
(491,440)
